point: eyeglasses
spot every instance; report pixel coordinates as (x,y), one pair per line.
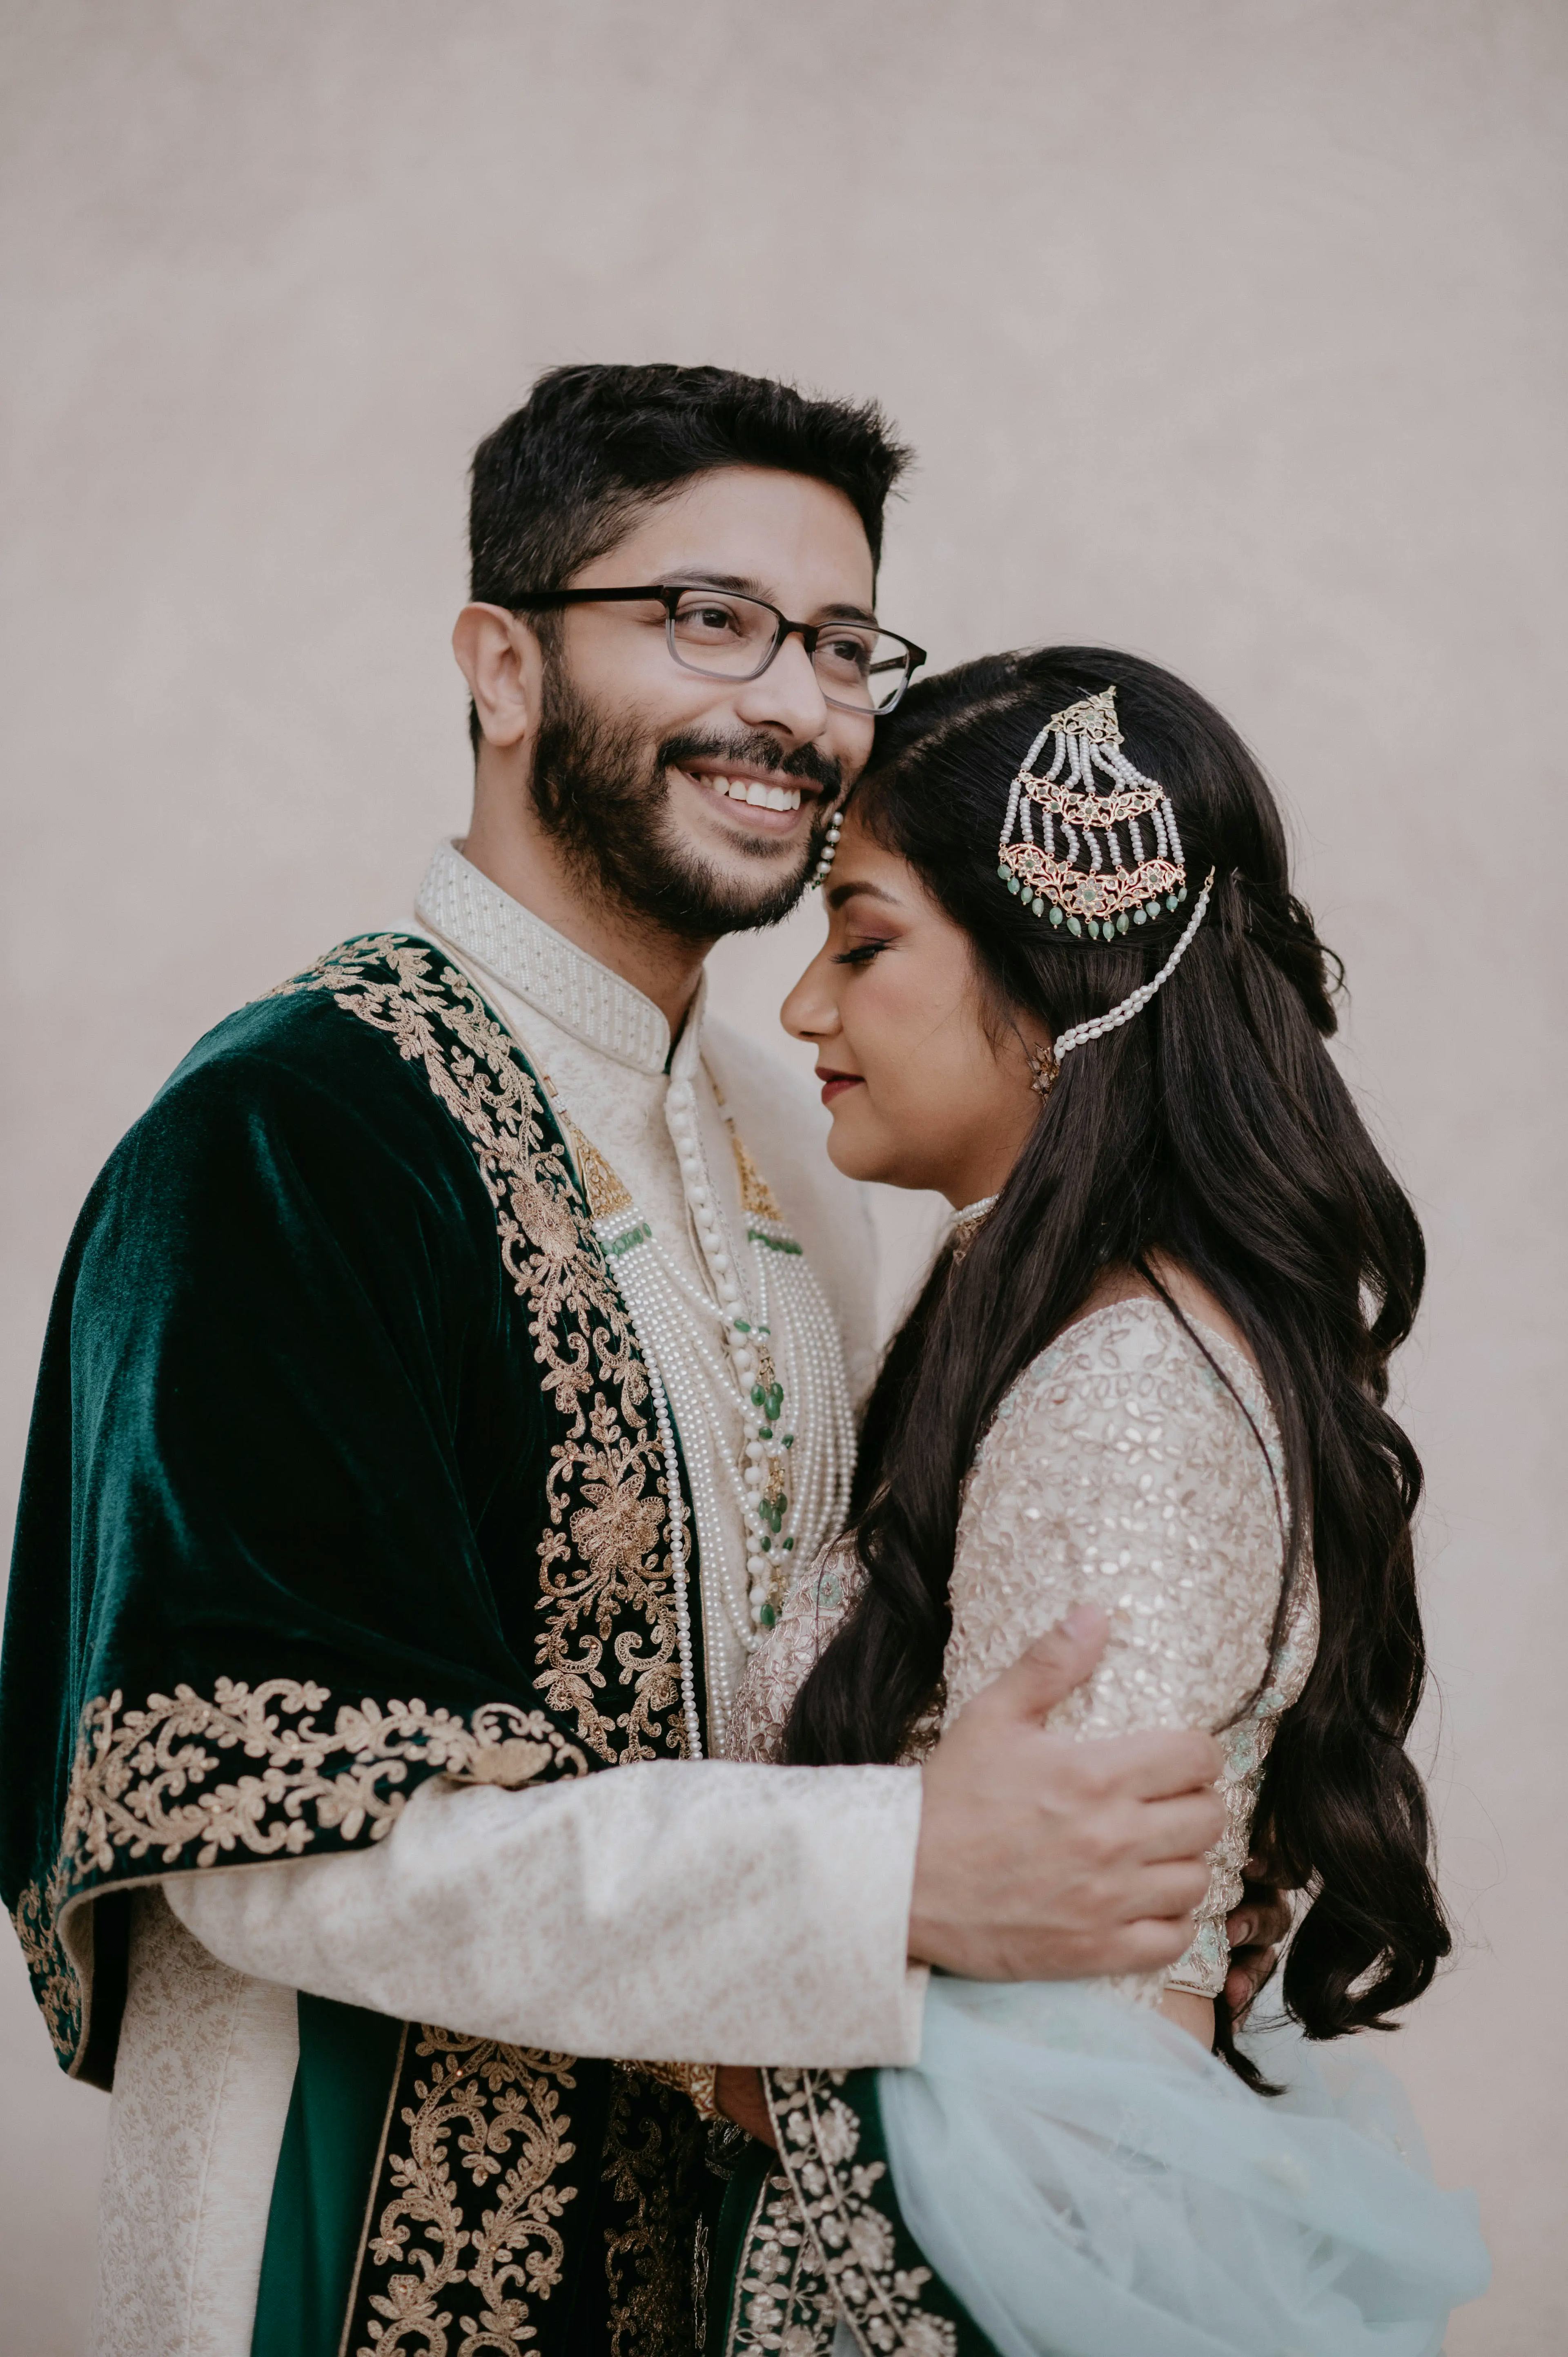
(719,634)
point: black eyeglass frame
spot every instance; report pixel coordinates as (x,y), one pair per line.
(668,595)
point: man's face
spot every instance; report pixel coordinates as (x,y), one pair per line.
(641,768)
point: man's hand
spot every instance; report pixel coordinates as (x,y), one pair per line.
(1255,1931)
(1045,1859)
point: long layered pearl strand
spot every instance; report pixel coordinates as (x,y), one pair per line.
(755,1381)
(677,1563)
(793,1312)
(707,1362)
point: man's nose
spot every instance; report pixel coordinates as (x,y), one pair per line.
(787,697)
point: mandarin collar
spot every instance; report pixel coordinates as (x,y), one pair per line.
(541,965)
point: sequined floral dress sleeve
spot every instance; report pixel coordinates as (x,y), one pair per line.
(1122,1471)
(777,1669)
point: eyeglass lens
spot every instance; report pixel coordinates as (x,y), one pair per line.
(730,637)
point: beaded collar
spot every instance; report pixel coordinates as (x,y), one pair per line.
(486,924)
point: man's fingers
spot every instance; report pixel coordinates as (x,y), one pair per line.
(1156,1766)
(1262,1918)
(1054,1664)
(1250,1968)
(1188,1827)
(1169,1890)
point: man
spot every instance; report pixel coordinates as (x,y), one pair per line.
(440,1381)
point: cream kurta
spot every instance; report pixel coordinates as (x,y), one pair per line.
(730,1912)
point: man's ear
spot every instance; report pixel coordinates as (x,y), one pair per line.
(501,658)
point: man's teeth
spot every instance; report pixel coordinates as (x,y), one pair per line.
(760,797)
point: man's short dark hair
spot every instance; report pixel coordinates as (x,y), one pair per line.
(566,476)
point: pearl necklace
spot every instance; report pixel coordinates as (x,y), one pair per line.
(722,1367)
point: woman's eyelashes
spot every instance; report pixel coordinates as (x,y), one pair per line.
(863,953)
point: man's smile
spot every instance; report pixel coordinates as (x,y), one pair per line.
(763,800)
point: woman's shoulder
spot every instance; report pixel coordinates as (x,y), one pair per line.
(1133,1358)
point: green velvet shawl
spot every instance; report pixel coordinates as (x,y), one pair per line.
(812,2233)
(343,1473)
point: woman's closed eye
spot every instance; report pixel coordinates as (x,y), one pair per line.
(862,953)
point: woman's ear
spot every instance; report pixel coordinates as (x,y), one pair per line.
(500,657)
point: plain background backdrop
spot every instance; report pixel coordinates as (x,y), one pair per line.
(1231,333)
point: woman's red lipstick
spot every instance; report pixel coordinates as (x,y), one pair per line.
(834,1083)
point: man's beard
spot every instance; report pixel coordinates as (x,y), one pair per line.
(608,808)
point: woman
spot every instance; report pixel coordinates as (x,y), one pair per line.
(1067,984)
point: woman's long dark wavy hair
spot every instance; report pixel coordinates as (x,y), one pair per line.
(1213,1128)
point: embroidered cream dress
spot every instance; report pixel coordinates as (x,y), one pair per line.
(1064,2173)
(1122,1471)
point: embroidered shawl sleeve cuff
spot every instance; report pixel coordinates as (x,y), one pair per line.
(711,1911)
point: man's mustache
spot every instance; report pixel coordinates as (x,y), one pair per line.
(756,752)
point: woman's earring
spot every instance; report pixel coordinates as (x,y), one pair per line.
(1043,1064)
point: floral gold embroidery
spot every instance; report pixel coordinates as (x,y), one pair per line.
(653,2163)
(144,1784)
(490,2114)
(781,2301)
(605,1485)
(855,2241)
(56,1986)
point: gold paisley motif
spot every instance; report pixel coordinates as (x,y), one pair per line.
(654,2147)
(489,2113)
(607,1465)
(56,1986)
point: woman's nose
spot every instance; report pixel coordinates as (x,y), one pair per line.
(810,1012)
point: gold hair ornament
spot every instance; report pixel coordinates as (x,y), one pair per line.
(1108,894)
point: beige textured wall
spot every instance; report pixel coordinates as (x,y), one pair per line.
(1230,332)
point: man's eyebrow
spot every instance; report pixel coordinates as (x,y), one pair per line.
(744,585)
(838,895)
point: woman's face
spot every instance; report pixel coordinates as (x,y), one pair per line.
(920,1094)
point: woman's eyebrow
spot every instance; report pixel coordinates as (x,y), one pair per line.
(838,894)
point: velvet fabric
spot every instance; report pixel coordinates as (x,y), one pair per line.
(812,2254)
(342,1473)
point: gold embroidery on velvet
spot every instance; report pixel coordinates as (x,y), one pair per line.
(854,2243)
(780,2287)
(491,2113)
(606,1489)
(141,1785)
(653,2148)
(698,2080)
(57,1987)
(140,1777)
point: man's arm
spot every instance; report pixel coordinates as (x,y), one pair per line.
(721,1911)
(689,1911)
